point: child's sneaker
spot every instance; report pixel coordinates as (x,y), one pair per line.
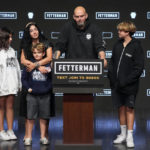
(11,135)
(44,141)
(4,136)
(130,142)
(27,141)
(120,139)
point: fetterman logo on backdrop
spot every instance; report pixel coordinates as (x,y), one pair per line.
(107,35)
(105,92)
(108,53)
(143,74)
(107,15)
(148,53)
(21,34)
(148,15)
(54,35)
(148,92)
(56,15)
(139,34)
(8,15)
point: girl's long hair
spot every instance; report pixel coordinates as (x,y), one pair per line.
(4,39)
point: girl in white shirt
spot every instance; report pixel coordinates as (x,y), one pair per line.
(10,83)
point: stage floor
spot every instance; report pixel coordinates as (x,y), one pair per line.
(106,128)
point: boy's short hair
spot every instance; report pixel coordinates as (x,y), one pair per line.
(127,26)
(39,46)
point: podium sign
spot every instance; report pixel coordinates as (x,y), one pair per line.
(73,76)
(78,80)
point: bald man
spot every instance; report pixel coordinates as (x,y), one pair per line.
(80,38)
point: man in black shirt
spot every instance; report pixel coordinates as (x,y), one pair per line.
(80,39)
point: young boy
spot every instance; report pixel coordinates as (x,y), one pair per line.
(38,86)
(125,69)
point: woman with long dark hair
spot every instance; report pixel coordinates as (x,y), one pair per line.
(32,35)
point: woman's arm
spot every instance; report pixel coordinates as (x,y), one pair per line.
(28,64)
(48,57)
(45,61)
(24,61)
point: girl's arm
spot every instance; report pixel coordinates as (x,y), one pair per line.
(19,75)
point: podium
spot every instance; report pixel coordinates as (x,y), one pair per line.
(78,119)
(78,80)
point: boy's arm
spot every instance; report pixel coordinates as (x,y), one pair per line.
(24,79)
(138,66)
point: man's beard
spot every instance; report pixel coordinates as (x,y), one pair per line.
(80,25)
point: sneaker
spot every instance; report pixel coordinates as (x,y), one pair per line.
(130,142)
(120,139)
(27,141)
(11,135)
(44,141)
(4,136)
